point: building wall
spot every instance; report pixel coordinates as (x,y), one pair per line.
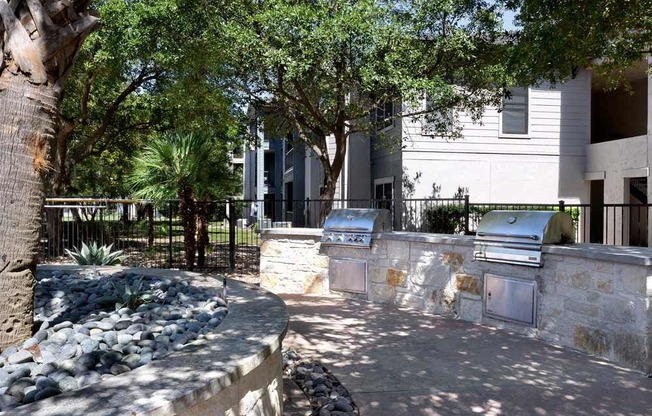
(386,158)
(357,167)
(549,160)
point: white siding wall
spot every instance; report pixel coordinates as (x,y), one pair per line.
(545,166)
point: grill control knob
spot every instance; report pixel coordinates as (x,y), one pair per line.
(340,239)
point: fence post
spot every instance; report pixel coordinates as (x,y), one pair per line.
(170,234)
(306,214)
(230,215)
(467,214)
(562,205)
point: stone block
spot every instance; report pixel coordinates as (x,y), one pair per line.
(581,280)
(271,248)
(591,340)
(381,293)
(452,259)
(428,273)
(636,284)
(398,250)
(470,308)
(396,277)
(581,308)
(422,252)
(468,283)
(319,261)
(604,286)
(409,300)
(376,274)
(619,310)
(315,284)
(269,281)
(630,349)
(593,297)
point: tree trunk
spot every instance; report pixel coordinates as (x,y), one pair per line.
(26,126)
(332,171)
(203,219)
(39,40)
(187,210)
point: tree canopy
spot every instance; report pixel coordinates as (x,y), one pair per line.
(151,67)
(324,65)
(556,38)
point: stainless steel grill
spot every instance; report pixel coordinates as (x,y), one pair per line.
(354,226)
(517,237)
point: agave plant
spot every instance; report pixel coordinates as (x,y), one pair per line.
(132,296)
(95,255)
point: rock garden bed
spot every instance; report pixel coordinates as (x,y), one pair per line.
(92,328)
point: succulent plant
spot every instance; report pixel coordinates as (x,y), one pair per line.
(95,255)
(133,295)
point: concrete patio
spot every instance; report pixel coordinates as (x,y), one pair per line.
(396,361)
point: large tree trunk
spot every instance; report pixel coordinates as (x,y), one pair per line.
(39,40)
(25,129)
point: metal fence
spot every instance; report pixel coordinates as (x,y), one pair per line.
(152,235)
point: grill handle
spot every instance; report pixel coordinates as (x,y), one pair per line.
(531,237)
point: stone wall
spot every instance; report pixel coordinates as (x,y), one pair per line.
(592,298)
(290,261)
(235,371)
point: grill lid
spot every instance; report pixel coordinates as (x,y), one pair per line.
(353,226)
(516,237)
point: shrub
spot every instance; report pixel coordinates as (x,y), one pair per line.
(445,219)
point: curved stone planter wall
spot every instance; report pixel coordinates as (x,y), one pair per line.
(590,297)
(235,371)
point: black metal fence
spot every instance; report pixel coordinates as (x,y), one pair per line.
(152,235)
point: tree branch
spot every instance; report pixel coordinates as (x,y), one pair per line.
(141,79)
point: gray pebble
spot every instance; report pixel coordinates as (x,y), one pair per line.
(43,382)
(119,368)
(62,325)
(19,357)
(110,358)
(48,392)
(68,383)
(88,377)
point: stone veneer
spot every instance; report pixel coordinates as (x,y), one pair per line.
(593,298)
(293,251)
(237,370)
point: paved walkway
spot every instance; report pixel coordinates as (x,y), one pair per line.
(396,361)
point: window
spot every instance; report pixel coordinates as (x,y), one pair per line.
(384,192)
(384,117)
(515,114)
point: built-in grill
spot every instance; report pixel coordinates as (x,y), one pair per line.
(517,237)
(354,226)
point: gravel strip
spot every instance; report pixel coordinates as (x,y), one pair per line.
(82,338)
(327,396)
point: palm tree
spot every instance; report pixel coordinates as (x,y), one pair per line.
(186,166)
(39,41)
